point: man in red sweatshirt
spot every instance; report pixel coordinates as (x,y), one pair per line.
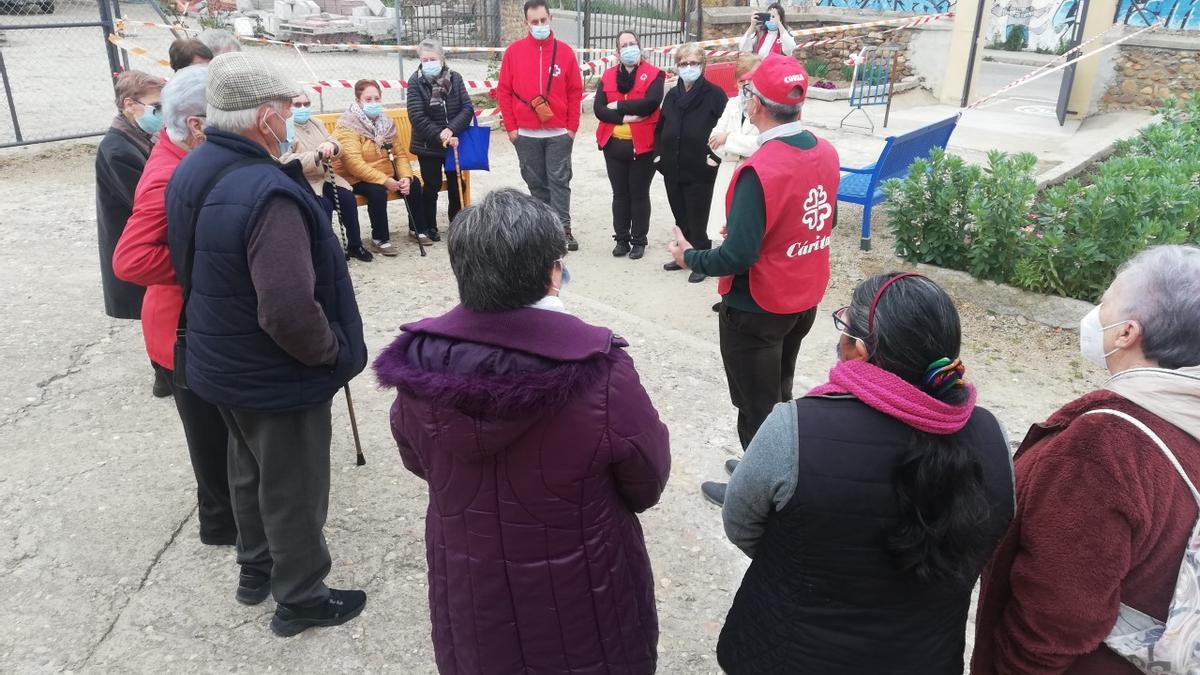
(540,94)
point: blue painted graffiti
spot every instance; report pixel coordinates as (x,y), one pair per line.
(916,6)
(1175,14)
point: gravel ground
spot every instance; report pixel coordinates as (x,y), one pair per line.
(102,558)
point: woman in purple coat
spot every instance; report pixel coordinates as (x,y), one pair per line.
(540,446)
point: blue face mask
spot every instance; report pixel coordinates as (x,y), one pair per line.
(302,115)
(631,55)
(290,125)
(539,32)
(372,110)
(431,68)
(772,26)
(150,122)
(690,74)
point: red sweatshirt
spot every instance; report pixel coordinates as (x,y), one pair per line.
(523,73)
(1102,519)
(142,256)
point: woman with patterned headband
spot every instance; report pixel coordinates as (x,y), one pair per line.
(870,505)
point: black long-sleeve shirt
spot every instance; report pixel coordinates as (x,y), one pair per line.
(639,107)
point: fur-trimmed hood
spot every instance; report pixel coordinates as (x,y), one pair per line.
(490,377)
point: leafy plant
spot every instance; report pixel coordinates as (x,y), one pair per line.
(817,68)
(999,206)
(1018,39)
(847,73)
(928,209)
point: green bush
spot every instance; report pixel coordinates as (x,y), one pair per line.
(1068,239)
(816,68)
(847,73)
(1018,38)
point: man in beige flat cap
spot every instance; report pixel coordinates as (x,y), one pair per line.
(270,331)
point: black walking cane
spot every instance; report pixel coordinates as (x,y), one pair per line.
(403,197)
(337,207)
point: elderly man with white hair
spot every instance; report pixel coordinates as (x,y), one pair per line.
(270,332)
(142,258)
(1083,580)
(219,41)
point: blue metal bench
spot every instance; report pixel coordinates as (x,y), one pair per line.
(865,186)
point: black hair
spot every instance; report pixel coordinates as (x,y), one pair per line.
(939,482)
(782,15)
(503,249)
(534,4)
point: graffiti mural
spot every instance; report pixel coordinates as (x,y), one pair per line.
(1175,14)
(1048,24)
(915,6)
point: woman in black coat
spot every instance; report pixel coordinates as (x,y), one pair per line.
(439,110)
(687,164)
(119,162)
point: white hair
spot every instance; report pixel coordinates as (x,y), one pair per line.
(1160,290)
(239,121)
(219,41)
(183,97)
(432,46)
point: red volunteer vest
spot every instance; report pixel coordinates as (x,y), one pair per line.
(800,189)
(643,132)
(776,48)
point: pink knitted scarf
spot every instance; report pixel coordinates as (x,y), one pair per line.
(896,398)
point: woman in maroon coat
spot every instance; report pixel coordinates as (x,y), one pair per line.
(540,446)
(1102,517)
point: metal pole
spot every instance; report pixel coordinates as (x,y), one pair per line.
(107,27)
(966,94)
(891,88)
(12,107)
(124,54)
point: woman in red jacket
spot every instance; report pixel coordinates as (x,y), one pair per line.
(627,105)
(1103,517)
(142,258)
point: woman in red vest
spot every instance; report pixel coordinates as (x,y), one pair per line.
(768,33)
(627,105)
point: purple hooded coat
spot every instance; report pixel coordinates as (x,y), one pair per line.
(539,445)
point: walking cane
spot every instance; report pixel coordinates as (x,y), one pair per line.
(337,207)
(458,174)
(354,427)
(403,198)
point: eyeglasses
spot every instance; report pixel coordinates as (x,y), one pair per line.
(840,324)
(296,104)
(156,107)
(684,64)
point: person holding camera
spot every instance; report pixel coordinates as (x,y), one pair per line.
(768,33)
(366,136)
(540,94)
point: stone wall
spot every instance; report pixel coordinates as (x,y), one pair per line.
(1146,72)
(512,20)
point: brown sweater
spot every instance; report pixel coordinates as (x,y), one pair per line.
(280,258)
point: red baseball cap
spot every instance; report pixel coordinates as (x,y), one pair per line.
(779,79)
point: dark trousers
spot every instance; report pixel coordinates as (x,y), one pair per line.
(630,177)
(759,352)
(377,195)
(347,212)
(689,202)
(207,442)
(431,171)
(546,168)
(279,475)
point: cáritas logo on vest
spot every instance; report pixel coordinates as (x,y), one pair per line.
(802,248)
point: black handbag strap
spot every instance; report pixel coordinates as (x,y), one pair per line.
(550,73)
(189,254)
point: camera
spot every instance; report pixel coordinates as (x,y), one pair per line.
(762,17)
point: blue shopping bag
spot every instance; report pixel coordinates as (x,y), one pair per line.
(472,148)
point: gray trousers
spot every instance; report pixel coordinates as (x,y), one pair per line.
(279,485)
(546,168)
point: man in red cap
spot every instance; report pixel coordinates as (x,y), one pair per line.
(774,263)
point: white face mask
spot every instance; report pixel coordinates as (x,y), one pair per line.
(1091,338)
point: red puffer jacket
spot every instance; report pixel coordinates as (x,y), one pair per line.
(142,256)
(540,446)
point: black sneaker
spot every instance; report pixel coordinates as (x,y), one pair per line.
(433,235)
(672,266)
(359,253)
(730,465)
(253,586)
(696,277)
(162,388)
(340,607)
(621,249)
(714,492)
(572,245)
(637,251)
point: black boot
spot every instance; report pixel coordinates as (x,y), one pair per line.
(637,251)
(340,607)
(253,586)
(622,249)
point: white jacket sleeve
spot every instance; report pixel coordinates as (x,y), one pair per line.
(787,42)
(738,143)
(749,40)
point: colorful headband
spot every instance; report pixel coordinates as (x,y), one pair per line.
(878,293)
